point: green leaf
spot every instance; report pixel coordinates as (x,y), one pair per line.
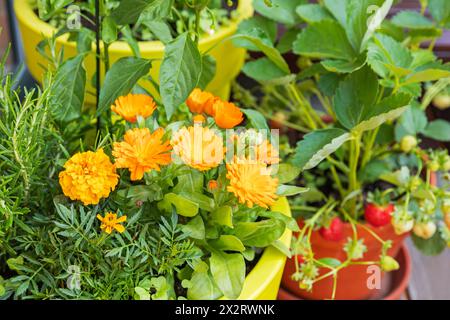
(184,206)
(325,39)
(287,172)
(313,13)
(156,10)
(109,30)
(387,56)
(128,11)
(280,246)
(259,234)
(356,94)
(359,13)
(318,145)
(288,221)
(85,38)
(228,243)
(223,216)
(285,190)
(375,20)
(120,79)
(128,36)
(431,247)
(69,84)
(202,286)
(388,109)
(440,10)
(438,130)
(204,202)
(263,70)
(427,75)
(342,66)
(256,119)
(228,271)
(259,38)
(208,71)
(159,29)
(269,27)
(195,228)
(280,11)
(180,72)
(411,20)
(338,9)
(331,262)
(412,122)
(287,39)
(192,181)
(373,170)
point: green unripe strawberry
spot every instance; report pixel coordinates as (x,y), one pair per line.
(408,143)
(389,264)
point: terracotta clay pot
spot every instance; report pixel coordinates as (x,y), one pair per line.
(351,281)
(393,285)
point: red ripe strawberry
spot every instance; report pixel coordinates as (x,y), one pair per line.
(378,215)
(335,232)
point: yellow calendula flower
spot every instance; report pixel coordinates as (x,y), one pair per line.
(198,147)
(142,151)
(88,177)
(267,153)
(133,105)
(251,182)
(110,222)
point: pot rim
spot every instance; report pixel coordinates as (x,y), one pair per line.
(26,15)
(393,294)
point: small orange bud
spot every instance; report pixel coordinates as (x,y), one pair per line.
(198,118)
(213,185)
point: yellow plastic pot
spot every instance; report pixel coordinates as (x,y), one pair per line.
(263,282)
(229,59)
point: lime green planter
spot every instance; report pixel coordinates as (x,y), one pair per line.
(229,59)
(263,282)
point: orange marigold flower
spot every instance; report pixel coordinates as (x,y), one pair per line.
(226,114)
(197,100)
(110,222)
(251,183)
(198,118)
(142,151)
(133,105)
(88,177)
(198,147)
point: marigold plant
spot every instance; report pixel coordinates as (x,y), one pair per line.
(88,177)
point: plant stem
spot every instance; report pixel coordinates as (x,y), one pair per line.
(368,148)
(299,101)
(355,150)
(197,26)
(97,59)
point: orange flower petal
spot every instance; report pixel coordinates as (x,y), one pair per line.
(197,100)
(227,115)
(88,177)
(142,152)
(133,105)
